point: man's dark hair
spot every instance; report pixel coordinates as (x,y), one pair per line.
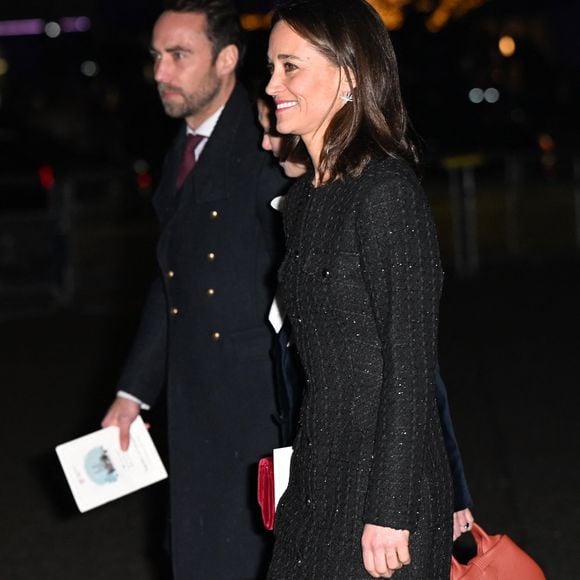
(223,22)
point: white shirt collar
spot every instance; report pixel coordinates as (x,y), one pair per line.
(207,127)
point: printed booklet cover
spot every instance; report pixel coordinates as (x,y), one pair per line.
(98,471)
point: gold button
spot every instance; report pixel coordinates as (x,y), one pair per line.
(215,336)
(170,274)
(174,311)
(213,214)
(210,291)
(211,257)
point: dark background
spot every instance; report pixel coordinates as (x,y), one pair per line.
(115,115)
(79,158)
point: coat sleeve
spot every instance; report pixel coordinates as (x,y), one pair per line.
(402,274)
(462,497)
(143,375)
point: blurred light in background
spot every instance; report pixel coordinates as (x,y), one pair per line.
(3,66)
(143,175)
(547,145)
(46,176)
(89,68)
(476,95)
(52,29)
(21,27)
(450,9)
(392,12)
(251,22)
(546,142)
(36,26)
(507,46)
(491,95)
(75,24)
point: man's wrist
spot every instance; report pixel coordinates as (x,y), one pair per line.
(130,397)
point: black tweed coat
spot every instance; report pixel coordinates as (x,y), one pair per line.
(361,283)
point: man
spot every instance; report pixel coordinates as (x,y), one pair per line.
(204,334)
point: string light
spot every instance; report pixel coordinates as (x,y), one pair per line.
(507,46)
(392,13)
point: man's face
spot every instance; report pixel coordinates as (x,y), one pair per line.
(184,65)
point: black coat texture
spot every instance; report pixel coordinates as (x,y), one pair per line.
(361,283)
(204,338)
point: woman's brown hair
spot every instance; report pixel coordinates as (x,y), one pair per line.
(352,36)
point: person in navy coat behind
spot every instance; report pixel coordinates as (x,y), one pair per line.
(204,339)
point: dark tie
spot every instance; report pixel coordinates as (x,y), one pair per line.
(188,160)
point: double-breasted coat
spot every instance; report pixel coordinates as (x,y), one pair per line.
(204,336)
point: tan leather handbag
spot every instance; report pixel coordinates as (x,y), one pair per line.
(498,558)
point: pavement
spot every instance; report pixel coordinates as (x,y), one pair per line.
(509,353)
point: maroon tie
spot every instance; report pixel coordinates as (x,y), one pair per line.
(188,161)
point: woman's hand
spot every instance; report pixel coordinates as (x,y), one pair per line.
(462,522)
(385,550)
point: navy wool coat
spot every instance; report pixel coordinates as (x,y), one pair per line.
(204,336)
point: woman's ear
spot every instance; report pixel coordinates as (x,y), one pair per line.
(347,85)
(227,60)
(348,79)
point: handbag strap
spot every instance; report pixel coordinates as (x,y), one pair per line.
(484,543)
(483,540)
(481,537)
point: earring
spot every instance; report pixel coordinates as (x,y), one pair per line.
(347,97)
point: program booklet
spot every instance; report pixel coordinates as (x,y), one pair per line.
(282,457)
(98,471)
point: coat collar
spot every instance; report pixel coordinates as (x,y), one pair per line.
(210,179)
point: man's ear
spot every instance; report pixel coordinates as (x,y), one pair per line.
(227,60)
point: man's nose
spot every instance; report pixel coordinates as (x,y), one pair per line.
(161,70)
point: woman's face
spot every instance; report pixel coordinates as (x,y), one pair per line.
(271,141)
(305,86)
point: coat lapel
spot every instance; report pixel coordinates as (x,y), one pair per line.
(210,180)
(165,199)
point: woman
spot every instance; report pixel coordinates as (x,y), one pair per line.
(369,491)
(296,167)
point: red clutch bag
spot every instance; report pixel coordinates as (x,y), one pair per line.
(498,558)
(266,491)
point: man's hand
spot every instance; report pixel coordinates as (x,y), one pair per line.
(385,550)
(122,413)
